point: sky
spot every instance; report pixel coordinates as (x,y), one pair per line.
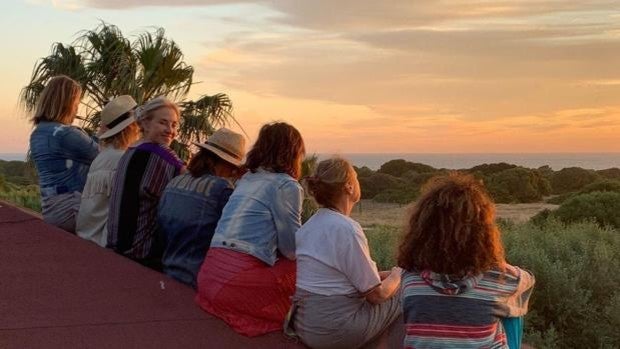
(367,76)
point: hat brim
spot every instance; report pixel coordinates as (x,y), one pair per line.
(118,128)
(222,155)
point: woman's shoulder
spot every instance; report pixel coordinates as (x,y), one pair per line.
(163,152)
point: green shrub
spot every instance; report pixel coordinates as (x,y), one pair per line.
(25,196)
(610,173)
(383,241)
(489,169)
(363,171)
(517,185)
(400,167)
(401,196)
(378,182)
(576,300)
(602,207)
(572,179)
(601,185)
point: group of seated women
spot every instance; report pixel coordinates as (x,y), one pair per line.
(229,225)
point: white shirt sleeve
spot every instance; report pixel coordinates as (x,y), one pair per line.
(356,264)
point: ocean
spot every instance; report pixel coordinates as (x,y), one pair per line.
(557,161)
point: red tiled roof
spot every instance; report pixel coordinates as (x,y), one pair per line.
(59,291)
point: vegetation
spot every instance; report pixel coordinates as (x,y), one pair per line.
(107,64)
(576,301)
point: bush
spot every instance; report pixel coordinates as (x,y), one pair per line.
(489,169)
(400,167)
(610,173)
(517,185)
(383,241)
(401,196)
(602,185)
(602,207)
(363,171)
(572,179)
(377,183)
(576,300)
(25,196)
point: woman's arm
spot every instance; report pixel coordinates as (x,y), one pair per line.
(387,288)
(79,146)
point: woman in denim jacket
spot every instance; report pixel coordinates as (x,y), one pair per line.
(62,153)
(248,275)
(192,204)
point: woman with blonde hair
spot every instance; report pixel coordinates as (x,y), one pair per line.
(120,130)
(142,174)
(342,300)
(62,153)
(457,285)
(248,275)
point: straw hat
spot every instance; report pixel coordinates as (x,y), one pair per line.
(115,115)
(228,145)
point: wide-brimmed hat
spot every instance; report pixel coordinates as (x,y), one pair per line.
(115,115)
(228,145)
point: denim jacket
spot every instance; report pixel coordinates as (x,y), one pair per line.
(188,213)
(261,216)
(62,155)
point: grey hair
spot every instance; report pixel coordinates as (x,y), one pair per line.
(143,112)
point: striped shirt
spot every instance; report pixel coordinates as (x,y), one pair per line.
(443,312)
(142,174)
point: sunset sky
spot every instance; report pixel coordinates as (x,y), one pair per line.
(366,75)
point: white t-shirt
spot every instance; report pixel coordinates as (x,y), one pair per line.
(333,256)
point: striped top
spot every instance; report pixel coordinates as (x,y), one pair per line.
(142,174)
(444,312)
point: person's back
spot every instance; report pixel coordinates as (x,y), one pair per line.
(457,287)
(189,210)
(257,219)
(445,312)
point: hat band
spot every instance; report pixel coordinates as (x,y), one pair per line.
(118,120)
(224,150)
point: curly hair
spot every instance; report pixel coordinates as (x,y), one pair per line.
(279,148)
(451,229)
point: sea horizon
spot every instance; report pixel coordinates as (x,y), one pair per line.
(455,161)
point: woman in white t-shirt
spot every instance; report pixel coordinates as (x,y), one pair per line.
(341,300)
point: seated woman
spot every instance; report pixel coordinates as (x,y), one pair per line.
(342,300)
(248,275)
(61,153)
(142,174)
(457,284)
(192,204)
(121,130)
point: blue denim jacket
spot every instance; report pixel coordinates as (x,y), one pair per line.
(187,215)
(261,216)
(62,155)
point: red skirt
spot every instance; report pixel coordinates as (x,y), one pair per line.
(250,296)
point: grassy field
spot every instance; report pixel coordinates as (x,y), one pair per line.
(369,213)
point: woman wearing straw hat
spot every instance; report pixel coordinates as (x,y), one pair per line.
(121,130)
(62,153)
(143,172)
(192,203)
(248,275)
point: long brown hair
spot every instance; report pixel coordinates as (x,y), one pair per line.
(57,101)
(279,148)
(125,138)
(451,229)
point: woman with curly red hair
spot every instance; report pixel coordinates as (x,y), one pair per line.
(457,286)
(248,275)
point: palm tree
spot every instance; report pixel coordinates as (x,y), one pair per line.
(107,65)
